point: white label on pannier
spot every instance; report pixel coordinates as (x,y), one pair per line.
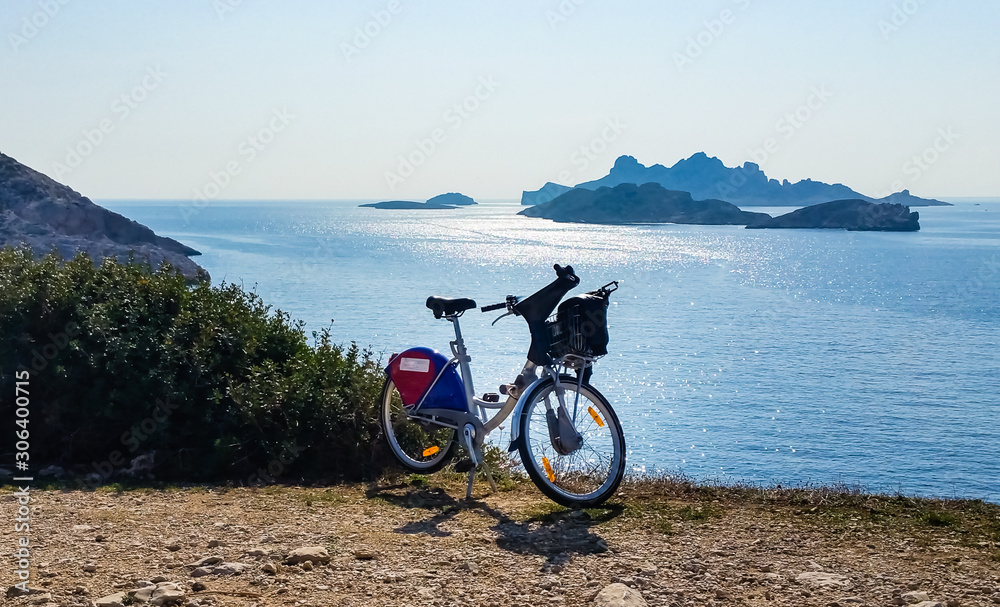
(420,365)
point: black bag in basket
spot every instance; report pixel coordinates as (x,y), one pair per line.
(585,318)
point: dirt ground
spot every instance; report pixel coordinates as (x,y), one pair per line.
(413,543)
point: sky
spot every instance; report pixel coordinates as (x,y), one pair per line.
(406,99)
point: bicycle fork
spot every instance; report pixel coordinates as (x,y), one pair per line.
(563,434)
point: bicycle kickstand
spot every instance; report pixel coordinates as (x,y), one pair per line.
(472,478)
(476,455)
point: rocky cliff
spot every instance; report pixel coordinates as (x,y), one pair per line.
(46,215)
(708,178)
(648,203)
(451,200)
(855,215)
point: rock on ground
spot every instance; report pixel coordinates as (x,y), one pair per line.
(619,595)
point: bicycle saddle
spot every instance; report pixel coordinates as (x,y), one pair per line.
(444,306)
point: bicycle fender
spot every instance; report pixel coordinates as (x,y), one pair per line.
(515,416)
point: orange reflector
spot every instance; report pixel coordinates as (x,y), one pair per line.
(548,469)
(431,451)
(596,417)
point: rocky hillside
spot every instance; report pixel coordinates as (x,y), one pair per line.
(855,215)
(708,178)
(648,203)
(46,215)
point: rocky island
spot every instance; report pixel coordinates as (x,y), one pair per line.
(450,200)
(853,215)
(709,178)
(45,215)
(648,203)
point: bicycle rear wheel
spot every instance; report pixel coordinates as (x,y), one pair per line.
(419,447)
(591,474)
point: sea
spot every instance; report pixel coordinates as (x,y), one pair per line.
(869,360)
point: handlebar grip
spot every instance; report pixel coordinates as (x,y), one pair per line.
(499,306)
(566,272)
(563,271)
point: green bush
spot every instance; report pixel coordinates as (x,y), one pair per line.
(126,361)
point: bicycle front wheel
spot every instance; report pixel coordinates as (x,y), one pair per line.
(591,474)
(420,447)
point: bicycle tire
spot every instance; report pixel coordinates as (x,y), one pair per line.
(557,477)
(409,440)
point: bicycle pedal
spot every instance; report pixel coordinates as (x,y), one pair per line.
(491,397)
(464,466)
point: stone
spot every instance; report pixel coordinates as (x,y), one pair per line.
(915,597)
(851,600)
(144,594)
(257,552)
(270,568)
(90,568)
(201,572)
(820,579)
(215,543)
(167,594)
(40,599)
(229,569)
(208,560)
(306,565)
(316,554)
(14,591)
(929,604)
(112,600)
(364,555)
(158,579)
(619,595)
(198,586)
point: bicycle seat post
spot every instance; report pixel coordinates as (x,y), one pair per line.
(460,353)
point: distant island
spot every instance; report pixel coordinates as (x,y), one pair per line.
(708,178)
(647,203)
(45,215)
(451,200)
(854,215)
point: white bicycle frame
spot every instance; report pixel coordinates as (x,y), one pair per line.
(515,401)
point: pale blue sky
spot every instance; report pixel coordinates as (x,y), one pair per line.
(334,125)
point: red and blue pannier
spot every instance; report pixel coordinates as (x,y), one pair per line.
(414,371)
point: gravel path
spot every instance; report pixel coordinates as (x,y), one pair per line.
(400,545)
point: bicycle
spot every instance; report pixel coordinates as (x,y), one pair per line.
(569,438)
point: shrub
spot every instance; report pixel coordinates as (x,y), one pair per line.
(125,361)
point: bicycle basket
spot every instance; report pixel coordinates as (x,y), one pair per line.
(579,327)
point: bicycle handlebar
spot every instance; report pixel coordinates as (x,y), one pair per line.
(562,272)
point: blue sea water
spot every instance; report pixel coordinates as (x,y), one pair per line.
(773,356)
